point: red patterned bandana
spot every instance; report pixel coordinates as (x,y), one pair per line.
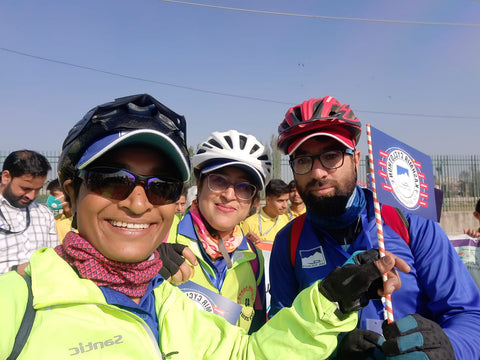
(130,279)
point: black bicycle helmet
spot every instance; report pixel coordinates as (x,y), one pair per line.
(136,113)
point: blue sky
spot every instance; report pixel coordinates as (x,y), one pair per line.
(263,63)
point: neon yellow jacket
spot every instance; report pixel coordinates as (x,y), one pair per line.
(73,321)
(240,283)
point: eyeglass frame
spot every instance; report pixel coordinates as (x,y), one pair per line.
(230,184)
(347,151)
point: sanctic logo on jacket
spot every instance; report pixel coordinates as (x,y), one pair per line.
(313,258)
(95,345)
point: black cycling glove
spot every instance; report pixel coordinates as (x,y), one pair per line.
(352,286)
(359,345)
(171,256)
(414,337)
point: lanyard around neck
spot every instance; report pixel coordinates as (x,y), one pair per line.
(260,225)
(9,232)
(290,214)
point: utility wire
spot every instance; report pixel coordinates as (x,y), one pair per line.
(210,91)
(322,17)
(142,79)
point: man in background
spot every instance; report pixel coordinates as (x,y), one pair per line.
(476,214)
(181,203)
(262,227)
(25,225)
(297,206)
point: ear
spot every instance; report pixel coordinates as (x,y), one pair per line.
(356,159)
(70,191)
(199,186)
(6,177)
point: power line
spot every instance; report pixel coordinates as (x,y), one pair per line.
(142,79)
(211,91)
(322,17)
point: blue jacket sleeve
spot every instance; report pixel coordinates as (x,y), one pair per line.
(283,283)
(454,298)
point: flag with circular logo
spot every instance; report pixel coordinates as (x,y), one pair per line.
(404,176)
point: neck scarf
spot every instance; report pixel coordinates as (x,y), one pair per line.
(130,279)
(209,242)
(354,208)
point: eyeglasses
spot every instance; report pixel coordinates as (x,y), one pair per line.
(118,184)
(219,183)
(332,159)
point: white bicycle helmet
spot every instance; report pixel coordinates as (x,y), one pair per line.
(231,148)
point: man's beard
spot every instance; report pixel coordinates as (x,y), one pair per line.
(328,205)
(13,199)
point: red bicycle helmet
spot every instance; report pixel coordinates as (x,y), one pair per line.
(315,117)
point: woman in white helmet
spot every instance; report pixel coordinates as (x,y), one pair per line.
(230,169)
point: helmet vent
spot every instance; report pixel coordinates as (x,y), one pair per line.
(215,143)
(243,142)
(228,139)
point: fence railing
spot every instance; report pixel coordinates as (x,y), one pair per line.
(458,176)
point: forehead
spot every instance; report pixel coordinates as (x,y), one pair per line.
(278,197)
(56,192)
(233,172)
(318,144)
(30,181)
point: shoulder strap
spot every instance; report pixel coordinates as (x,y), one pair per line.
(254,263)
(27,323)
(294,237)
(396,219)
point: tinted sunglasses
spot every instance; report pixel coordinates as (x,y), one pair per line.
(118,184)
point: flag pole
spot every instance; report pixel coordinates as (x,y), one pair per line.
(378,219)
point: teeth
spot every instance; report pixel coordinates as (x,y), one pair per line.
(123,224)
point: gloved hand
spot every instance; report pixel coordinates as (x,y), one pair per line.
(414,337)
(360,344)
(352,286)
(349,285)
(365,257)
(368,257)
(174,268)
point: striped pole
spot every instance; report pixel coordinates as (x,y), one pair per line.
(378,219)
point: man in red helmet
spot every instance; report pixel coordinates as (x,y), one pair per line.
(438,315)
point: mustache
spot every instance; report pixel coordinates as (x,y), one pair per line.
(318,183)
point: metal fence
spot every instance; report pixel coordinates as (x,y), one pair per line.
(458,176)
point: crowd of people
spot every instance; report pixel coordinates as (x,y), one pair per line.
(90,264)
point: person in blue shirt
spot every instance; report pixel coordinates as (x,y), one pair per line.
(438,304)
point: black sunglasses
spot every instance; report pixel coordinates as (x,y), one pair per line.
(118,184)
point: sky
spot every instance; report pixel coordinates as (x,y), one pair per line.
(410,68)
